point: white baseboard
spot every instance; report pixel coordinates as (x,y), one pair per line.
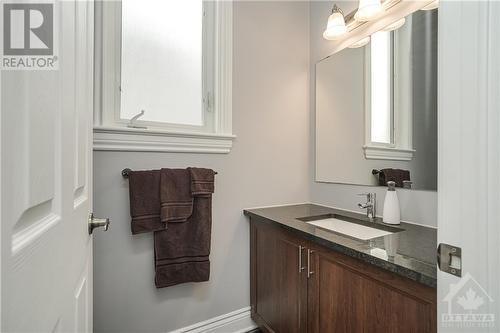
(238,321)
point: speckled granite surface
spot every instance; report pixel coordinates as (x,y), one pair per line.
(416,253)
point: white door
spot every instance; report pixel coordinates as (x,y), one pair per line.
(46,194)
(469,164)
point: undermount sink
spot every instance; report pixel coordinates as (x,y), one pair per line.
(349,226)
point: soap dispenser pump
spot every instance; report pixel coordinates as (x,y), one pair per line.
(392,213)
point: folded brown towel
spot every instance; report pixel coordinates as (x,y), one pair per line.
(395,175)
(144,192)
(202,181)
(175,195)
(182,251)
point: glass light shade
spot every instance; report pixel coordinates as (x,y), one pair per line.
(360,43)
(335,27)
(396,25)
(368,10)
(432,5)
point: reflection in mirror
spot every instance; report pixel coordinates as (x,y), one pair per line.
(380,85)
(376,109)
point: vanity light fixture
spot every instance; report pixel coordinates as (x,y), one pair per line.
(368,10)
(396,25)
(336,24)
(432,5)
(360,43)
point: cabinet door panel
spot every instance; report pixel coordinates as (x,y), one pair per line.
(343,300)
(279,285)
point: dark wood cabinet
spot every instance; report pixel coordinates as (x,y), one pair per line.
(278,285)
(350,296)
(299,286)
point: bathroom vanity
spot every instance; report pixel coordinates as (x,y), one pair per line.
(307,276)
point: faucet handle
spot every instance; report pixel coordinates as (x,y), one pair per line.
(369,196)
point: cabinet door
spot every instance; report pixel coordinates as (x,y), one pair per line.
(346,295)
(279,289)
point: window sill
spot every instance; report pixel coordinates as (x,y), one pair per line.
(146,140)
(386,153)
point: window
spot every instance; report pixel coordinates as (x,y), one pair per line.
(161,62)
(163,76)
(388,119)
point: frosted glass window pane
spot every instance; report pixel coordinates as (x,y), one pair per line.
(161,64)
(381,87)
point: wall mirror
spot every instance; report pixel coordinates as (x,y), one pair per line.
(376,108)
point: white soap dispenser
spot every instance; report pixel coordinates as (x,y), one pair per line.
(392,213)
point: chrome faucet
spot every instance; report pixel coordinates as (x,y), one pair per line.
(370,205)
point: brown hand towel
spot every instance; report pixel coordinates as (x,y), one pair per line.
(182,251)
(395,175)
(175,195)
(202,181)
(144,193)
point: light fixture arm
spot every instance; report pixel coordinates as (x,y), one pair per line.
(336,9)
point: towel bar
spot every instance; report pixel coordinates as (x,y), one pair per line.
(126,171)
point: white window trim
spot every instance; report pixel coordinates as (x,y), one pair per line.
(388,153)
(117,137)
(136,139)
(402,147)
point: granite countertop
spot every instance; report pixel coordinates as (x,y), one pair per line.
(416,253)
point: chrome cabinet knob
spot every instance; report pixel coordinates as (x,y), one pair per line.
(97,223)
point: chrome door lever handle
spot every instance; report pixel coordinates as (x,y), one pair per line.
(97,223)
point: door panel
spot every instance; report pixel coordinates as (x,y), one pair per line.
(278,301)
(469,161)
(343,300)
(83,299)
(83,96)
(46,279)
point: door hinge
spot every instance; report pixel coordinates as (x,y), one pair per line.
(449,259)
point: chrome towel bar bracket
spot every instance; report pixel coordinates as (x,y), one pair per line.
(125,172)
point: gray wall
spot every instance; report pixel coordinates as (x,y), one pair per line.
(416,206)
(268,165)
